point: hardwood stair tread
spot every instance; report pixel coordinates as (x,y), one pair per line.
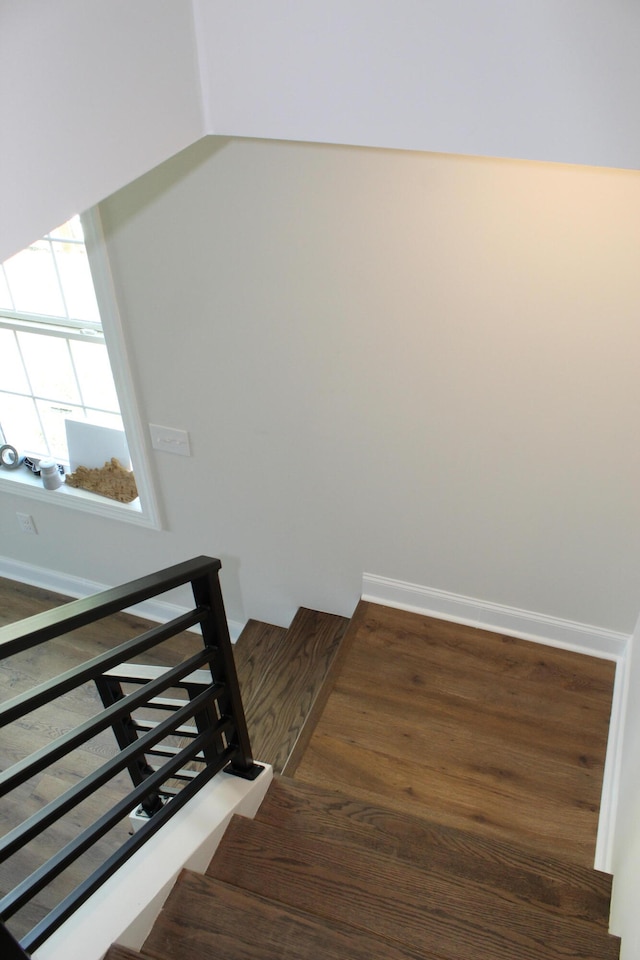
(513,872)
(254,648)
(206,918)
(281,675)
(118,952)
(398,901)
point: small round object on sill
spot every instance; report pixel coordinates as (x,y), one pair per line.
(10,457)
(50,473)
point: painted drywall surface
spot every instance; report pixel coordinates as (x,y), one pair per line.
(537,80)
(416,365)
(91,96)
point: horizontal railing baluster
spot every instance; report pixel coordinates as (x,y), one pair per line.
(21,894)
(219,738)
(44,818)
(24,769)
(46,692)
(66,908)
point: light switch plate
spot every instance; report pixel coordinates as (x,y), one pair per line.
(170,440)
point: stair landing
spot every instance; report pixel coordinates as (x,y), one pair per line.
(500,736)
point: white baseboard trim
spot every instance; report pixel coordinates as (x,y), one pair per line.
(159,611)
(539,628)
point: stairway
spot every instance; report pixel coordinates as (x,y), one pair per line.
(318,874)
(347,861)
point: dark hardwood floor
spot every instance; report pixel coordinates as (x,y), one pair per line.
(471,729)
(498,737)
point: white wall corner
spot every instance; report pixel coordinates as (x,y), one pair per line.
(159,611)
(625,839)
(539,628)
(202,63)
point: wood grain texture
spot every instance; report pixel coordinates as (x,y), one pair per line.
(116,952)
(398,902)
(292,673)
(512,872)
(470,768)
(257,646)
(206,919)
(324,691)
(474,730)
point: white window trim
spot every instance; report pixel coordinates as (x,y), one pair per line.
(21,482)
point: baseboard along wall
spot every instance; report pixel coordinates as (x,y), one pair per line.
(554,631)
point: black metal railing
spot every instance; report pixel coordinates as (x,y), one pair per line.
(111,687)
(219,739)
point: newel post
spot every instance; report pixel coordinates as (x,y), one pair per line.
(215,633)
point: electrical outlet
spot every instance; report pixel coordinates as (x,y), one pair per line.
(26,523)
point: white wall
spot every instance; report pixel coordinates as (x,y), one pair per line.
(413,365)
(534,79)
(91,96)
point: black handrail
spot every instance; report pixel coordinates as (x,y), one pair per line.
(31,631)
(221,740)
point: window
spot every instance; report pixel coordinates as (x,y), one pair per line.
(57,320)
(55,366)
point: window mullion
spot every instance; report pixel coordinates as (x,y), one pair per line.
(23,362)
(33,396)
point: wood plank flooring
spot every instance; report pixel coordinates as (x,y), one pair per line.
(500,738)
(513,875)
(282,673)
(402,903)
(471,729)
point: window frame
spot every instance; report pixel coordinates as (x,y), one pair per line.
(144,511)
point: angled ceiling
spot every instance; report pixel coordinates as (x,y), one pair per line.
(94,95)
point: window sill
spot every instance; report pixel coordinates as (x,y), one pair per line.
(23,483)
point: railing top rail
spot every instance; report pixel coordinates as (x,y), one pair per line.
(16,637)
